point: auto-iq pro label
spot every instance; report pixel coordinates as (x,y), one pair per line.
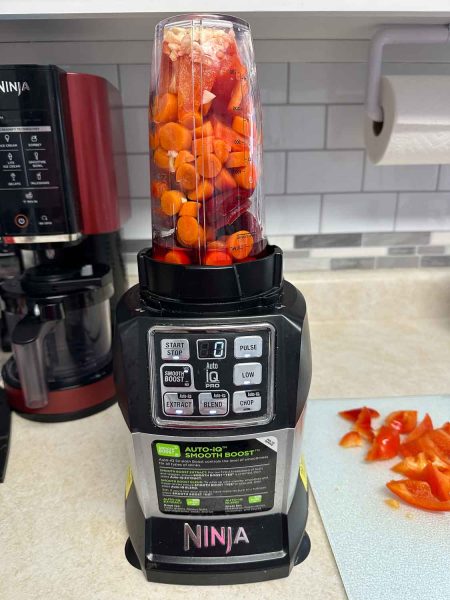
(215,478)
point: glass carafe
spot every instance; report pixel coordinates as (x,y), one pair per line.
(205,142)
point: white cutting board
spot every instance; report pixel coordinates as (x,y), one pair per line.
(381,553)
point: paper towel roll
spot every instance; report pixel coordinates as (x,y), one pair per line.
(416,126)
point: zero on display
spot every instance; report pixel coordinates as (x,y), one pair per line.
(212,348)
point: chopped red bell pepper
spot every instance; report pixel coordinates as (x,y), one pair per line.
(353,414)
(402,420)
(417,493)
(351,440)
(385,445)
(363,424)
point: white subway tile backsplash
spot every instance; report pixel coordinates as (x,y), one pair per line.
(109,72)
(351,213)
(325,171)
(345,126)
(136,129)
(139,225)
(444,178)
(423,212)
(293,127)
(139,175)
(272,81)
(327,83)
(274,172)
(134,84)
(401,177)
(288,215)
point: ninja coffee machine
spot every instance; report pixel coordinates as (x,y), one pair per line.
(212,347)
(63,199)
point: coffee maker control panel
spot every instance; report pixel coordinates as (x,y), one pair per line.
(36,187)
(209,377)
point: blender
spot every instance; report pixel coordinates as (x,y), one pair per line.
(212,350)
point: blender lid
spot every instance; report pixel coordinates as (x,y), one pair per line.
(55,280)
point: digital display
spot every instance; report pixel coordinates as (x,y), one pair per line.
(212,348)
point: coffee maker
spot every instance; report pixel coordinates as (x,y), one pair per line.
(212,349)
(63,199)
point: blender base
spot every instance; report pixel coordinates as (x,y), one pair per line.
(148,534)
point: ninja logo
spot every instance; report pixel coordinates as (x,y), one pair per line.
(208,537)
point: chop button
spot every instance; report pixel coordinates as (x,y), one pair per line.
(246,402)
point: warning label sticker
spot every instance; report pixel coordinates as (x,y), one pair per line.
(215,478)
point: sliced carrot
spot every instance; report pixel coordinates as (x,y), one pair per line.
(186,176)
(173,136)
(247,177)
(158,188)
(153,138)
(237,159)
(232,138)
(183,157)
(240,103)
(161,158)
(203,191)
(165,108)
(240,244)
(191,120)
(205,130)
(243,126)
(189,209)
(203,145)
(209,165)
(224,181)
(189,232)
(177,257)
(171,202)
(221,150)
(217,258)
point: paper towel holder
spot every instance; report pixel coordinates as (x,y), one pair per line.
(402,34)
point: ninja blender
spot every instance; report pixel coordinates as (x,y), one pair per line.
(212,349)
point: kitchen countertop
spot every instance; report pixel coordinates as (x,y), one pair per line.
(62,529)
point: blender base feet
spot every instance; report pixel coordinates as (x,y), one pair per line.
(303,550)
(131,555)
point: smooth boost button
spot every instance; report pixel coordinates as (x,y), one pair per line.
(246,402)
(247,374)
(175,349)
(213,404)
(176,376)
(248,346)
(178,404)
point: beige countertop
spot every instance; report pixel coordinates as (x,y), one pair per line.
(62,528)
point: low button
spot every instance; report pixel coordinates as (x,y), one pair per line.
(246,402)
(248,346)
(175,349)
(247,374)
(178,404)
(213,403)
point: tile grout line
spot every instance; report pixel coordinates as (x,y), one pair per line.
(363,175)
(288,86)
(322,199)
(325,132)
(397,203)
(286,160)
(438,178)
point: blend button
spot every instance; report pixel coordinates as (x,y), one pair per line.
(213,404)
(178,404)
(248,346)
(246,401)
(247,374)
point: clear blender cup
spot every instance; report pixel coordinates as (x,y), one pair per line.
(205,142)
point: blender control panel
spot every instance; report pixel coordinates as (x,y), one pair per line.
(213,376)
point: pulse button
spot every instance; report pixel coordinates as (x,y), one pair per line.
(248,346)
